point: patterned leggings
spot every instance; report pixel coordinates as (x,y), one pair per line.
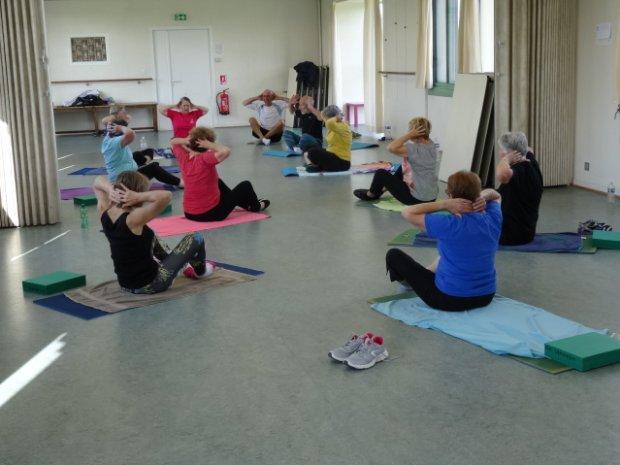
(190,250)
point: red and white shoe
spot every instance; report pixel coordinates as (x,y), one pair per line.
(190,273)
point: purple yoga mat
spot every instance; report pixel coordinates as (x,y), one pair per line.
(72,192)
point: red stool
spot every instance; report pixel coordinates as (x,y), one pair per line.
(355,106)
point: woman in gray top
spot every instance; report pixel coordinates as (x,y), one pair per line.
(416,180)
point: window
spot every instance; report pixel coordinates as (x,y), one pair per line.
(445,34)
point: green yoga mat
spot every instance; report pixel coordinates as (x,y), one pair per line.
(545,364)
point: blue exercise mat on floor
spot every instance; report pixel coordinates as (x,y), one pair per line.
(62,303)
(280,153)
(505,326)
(101,171)
(356,145)
(564,242)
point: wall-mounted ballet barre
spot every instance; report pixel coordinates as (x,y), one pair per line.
(404,73)
(89,81)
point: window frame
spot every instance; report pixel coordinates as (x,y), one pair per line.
(446,89)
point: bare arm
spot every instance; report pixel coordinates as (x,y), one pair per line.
(222,152)
(163,109)
(315,112)
(293,103)
(397,146)
(147,205)
(103,190)
(179,141)
(282,98)
(503,171)
(487,195)
(128,135)
(251,100)
(415,214)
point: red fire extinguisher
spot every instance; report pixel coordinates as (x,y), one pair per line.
(223,102)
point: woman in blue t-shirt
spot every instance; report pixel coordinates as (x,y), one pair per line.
(463,277)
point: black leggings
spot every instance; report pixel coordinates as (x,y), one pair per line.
(395,185)
(402,267)
(191,249)
(327,161)
(242,195)
(151,169)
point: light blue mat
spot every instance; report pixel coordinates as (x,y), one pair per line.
(356,145)
(505,326)
(280,153)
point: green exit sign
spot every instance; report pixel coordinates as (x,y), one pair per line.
(180,17)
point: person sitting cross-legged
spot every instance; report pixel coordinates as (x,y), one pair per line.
(310,122)
(269,107)
(337,156)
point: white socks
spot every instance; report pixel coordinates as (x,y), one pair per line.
(266,141)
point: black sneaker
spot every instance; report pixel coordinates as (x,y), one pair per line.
(264,204)
(362,194)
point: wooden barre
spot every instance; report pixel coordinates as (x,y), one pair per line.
(406,73)
(88,81)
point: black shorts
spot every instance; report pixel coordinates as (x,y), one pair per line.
(274,138)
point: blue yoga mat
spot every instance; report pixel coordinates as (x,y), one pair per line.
(564,242)
(280,153)
(101,171)
(356,145)
(63,304)
(505,326)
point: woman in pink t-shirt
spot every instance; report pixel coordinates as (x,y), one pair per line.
(206,197)
(184,115)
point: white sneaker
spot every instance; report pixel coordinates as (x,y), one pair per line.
(266,141)
(340,354)
(369,353)
(297,150)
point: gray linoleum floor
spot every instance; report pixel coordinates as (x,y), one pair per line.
(241,376)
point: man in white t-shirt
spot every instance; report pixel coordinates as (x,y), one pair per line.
(270,123)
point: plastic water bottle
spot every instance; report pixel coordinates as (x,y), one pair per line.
(143,144)
(388,132)
(83,217)
(611,193)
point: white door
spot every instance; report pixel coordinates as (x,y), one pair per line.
(401,99)
(183,69)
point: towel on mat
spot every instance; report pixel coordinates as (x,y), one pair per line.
(364,168)
(110,298)
(505,326)
(176,225)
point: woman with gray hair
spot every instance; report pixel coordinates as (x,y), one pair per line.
(521,186)
(337,157)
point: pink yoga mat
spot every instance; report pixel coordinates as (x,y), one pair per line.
(176,225)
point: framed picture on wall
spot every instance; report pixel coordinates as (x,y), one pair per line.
(89,50)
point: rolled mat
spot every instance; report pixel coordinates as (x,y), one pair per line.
(504,327)
(71,192)
(364,168)
(175,225)
(562,242)
(102,299)
(101,171)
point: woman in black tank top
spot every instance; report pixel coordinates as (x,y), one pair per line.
(142,263)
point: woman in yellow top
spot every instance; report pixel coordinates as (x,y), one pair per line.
(337,157)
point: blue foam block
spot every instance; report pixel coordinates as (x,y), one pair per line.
(289,171)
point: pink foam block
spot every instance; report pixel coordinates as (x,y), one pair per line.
(176,225)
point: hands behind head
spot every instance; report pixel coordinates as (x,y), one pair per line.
(458,206)
(416,131)
(295,99)
(514,157)
(204,143)
(125,197)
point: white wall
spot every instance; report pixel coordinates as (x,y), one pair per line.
(597,133)
(261,40)
(349,56)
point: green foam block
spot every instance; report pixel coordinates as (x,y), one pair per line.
(54,282)
(166,211)
(584,352)
(606,239)
(85,200)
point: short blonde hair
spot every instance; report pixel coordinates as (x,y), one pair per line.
(421,122)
